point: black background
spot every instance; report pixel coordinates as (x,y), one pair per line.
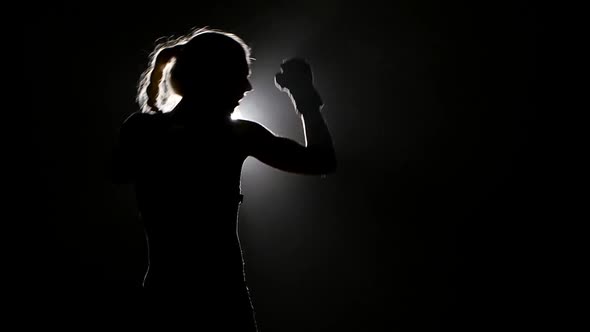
(430,222)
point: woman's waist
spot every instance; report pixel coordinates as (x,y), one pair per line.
(196,259)
(202,246)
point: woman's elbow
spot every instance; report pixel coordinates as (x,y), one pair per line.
(320,162)
(332,165)
(329,164)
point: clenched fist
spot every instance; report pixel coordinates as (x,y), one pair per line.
(296,79)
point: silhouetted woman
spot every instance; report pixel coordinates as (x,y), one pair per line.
(185,164)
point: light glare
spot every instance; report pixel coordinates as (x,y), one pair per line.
(236,114)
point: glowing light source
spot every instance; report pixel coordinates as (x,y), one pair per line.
(236,114)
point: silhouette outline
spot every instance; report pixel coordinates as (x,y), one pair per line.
(185,165)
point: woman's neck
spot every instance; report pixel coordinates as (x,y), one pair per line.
(190,110)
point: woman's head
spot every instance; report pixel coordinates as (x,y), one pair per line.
(208,66)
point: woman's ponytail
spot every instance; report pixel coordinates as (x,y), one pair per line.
(149,87)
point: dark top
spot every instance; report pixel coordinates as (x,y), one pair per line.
(187,182)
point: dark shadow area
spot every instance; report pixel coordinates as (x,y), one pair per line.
(434,220)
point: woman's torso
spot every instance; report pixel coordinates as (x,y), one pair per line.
(188,194)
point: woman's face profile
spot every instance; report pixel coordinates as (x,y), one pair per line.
(223,85)
(231,84)
(240,84)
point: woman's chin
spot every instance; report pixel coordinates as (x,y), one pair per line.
(235,104)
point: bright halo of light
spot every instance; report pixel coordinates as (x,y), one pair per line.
(237,114)
(170,103)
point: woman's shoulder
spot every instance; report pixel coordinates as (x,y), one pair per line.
(139,121)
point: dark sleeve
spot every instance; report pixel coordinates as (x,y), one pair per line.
(127,149)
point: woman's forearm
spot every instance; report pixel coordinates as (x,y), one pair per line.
(315,129)
(297,80)
(318,139)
